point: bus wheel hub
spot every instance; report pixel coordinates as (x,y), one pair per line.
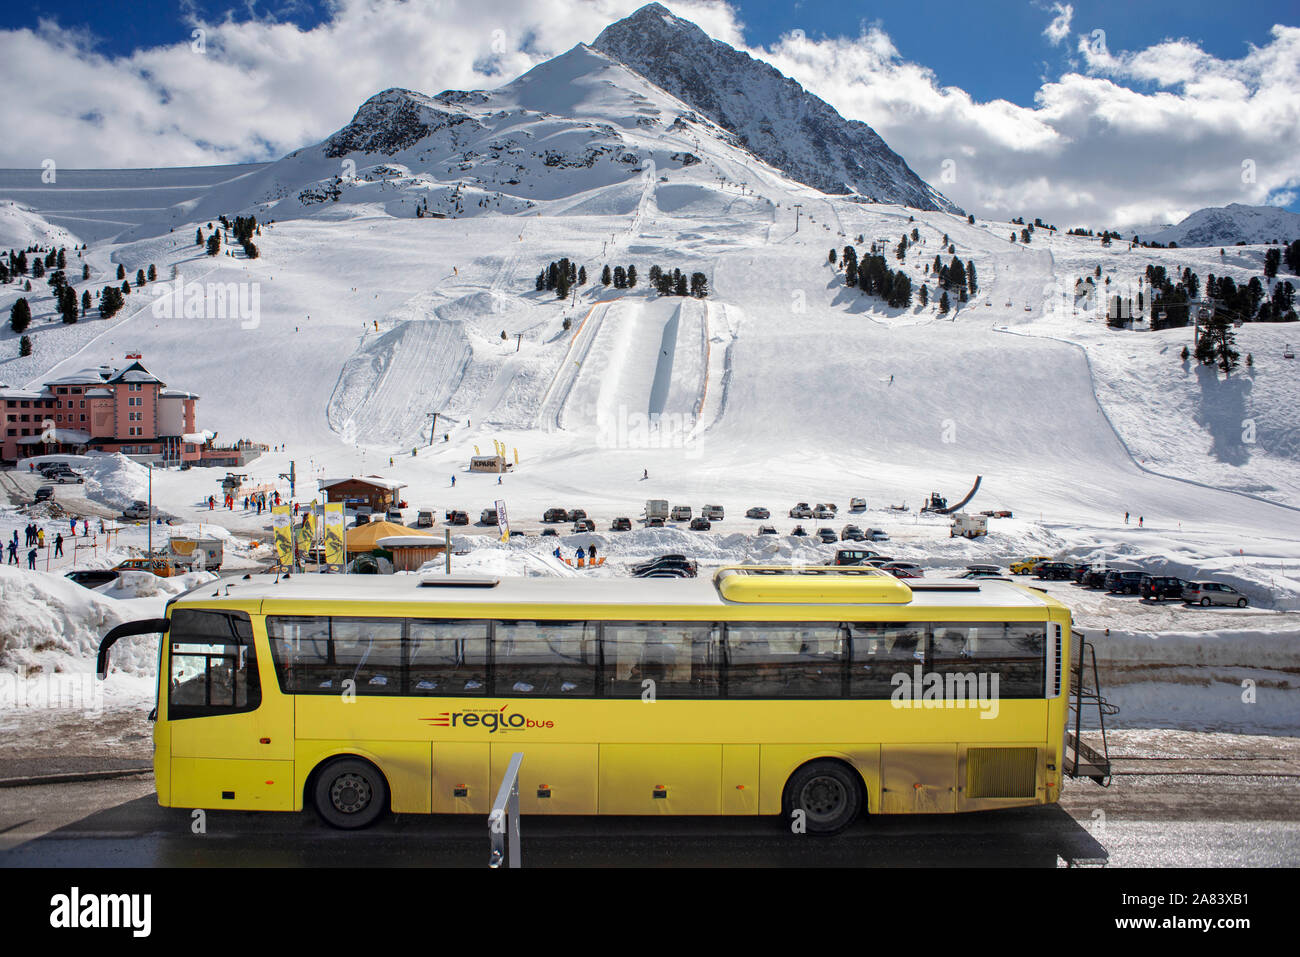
(823,796)
(350,793)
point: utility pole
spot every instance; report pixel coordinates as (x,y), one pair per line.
(519,338)
(797,208)
(433,429)
(149,520)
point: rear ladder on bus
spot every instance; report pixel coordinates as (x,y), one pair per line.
(1081,759)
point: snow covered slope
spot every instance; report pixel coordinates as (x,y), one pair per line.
(1231,224)
(772,115)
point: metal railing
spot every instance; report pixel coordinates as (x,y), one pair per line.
(503,821)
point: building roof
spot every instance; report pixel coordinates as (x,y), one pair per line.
(67,436)
(98,375)
(374,480)
(176,394)
(364,538)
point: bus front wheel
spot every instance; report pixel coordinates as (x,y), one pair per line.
(350,793)
(827,794)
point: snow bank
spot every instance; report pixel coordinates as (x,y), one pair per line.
(51,624)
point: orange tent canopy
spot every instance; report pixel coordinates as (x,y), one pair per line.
(363,537)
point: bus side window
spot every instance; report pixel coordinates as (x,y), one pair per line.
(447,657)
(880,651)
(777,660)
(545,659)
(680,659)
(213,664)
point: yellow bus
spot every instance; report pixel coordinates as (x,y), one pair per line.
(816,693)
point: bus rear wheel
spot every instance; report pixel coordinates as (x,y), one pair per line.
(828,794)
(350,793)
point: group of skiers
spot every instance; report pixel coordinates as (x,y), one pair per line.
(259,500)
(1139,519)
(34,541)
(589,554)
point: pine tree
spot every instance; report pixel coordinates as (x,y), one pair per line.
(956,275)
(198,236)
(562,284)
(970,277)
(850,272)
(85,271)
(20,316)
(679,283)
(139,278)
(62,260)
(38,268)
(153,274)
(214,247)
(582,276)
(541,280)
(1271,260)
(924,295)
(68,304)
(831,258)
(25,346)
(1184,355)
(85,302)
(605,276)
(121,271)
(699,285)
(943,304)
(631,276)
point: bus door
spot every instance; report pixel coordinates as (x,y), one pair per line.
(230,730)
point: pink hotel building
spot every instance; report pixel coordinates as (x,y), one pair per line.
(104,409)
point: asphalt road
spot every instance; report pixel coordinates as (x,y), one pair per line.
(1175,815)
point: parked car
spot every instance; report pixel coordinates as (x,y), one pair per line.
(700,524)
(393,515)
(827,535)
(424,519)
(851,533)
(584,525)
(1053,571)
(666,563)
(44,494)
(46,467)
(1160,587)
(1124,583)
(158,566)
(823,511)
(94,577)
(555,515)
(681,513)
(758,512)
(801,510)
(576,515)
(488,516)
(798,531)
(851,556)
(655,522)
(767,529)
(876,535)
(1213,593)
(857,505)
(362,518)
(1026,565)
(457,518)
(1095,576)
(714,513)
(65,476)
(550,531)
(904,569)
(982,571)
(621,525)
(1078,571)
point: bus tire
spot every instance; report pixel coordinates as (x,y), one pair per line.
(350,793)
(828,793)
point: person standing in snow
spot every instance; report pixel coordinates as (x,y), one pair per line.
(85,526)
(556,553)
(1126,518)
(13,552)
(1139,521)
(40,538)
(453,481)
(31,559)
(591,552)
(58,545)
(72,523)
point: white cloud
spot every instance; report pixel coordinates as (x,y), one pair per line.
(1059,28)
(1090,150)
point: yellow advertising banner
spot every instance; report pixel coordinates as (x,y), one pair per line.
(335,526)
(282,524)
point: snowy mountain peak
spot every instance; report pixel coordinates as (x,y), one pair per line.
(1228,225)
(395,120)
(776,118)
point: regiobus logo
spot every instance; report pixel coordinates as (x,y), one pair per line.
(494,721)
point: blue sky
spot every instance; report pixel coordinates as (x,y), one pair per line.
(991,48)
(1157,121)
